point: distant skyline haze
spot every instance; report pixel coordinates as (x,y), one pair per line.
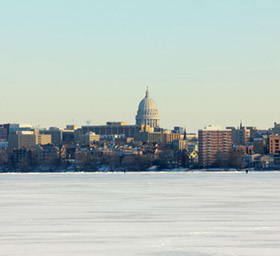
(205,62)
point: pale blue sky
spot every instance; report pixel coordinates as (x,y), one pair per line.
(206,61)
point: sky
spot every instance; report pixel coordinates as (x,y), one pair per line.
(206,62)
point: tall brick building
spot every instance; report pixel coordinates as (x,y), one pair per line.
(274,144)
(214,145)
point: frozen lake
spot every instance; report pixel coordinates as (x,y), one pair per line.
(156,214)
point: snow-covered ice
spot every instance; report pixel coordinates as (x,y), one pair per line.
(156,214)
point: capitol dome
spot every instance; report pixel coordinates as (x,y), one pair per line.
(147,113)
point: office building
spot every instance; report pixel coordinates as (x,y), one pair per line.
(27,139)
(56,135)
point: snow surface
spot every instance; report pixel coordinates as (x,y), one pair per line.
(157,214)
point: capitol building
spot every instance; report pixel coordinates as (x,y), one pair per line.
(148,113)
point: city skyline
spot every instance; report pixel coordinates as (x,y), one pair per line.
(206,62)
(146,114)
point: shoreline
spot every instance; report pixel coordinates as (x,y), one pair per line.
(142,171)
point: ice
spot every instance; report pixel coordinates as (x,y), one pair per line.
(127,214)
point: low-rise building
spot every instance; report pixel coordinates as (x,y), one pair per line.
(56,135)
(88,138)
(161,137)
(22,139)
(27,139)
(43,139)
(260,146)
(113,128)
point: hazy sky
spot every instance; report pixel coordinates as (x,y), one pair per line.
(212,61)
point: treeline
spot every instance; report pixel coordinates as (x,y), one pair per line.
(29,160)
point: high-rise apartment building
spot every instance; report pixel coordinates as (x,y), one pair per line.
(274,144)
(214,145)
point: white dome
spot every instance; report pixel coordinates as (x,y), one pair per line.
(147,113)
